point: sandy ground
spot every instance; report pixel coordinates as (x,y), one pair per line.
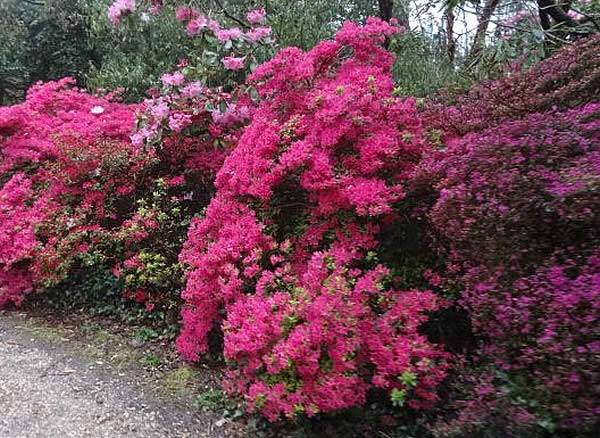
(46,390)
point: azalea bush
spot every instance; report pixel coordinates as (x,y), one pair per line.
(114,186)
(67,167)
(284,260)
(517,218)
(565,80)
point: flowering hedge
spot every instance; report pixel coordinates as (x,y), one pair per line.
(297,191)
(113,186)
(517,215)
(77,190)
(66,163)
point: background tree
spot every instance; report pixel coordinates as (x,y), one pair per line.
(42,40)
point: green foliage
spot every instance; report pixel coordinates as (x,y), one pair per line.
(305,23)
(398,397)
(216,400)
(151,361)
(408,378)
(159,272)
(146,334)
(93,289)
(42,41)
(421,68)
(135,53)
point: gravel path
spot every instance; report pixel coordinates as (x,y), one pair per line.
(47,391)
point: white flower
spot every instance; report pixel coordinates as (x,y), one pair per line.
(97,109)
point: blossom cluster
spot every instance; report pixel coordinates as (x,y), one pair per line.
(119,8)
(299,183)
(233,40)
(279,259)
(27,130)
(191,126)
(18,218)
(67,158)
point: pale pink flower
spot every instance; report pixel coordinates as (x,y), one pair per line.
(228,34)
(196,25)
(160,110)
(233,63)
(137,139)
(178,121)
(174,79)
(258,33)
(193,89)
(257,16)
(214,26)
(120,8)
(184,14)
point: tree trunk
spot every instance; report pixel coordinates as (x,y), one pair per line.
(556,11)
(386,9)
(450,41)
(482,26)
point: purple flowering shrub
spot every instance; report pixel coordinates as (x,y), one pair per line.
(518,217)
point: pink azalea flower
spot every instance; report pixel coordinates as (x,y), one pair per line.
(174,79)
(185,13)
(193,89)
(228,34)
(258,33)
(257,16)
(233,63)
(196,25)
(120,8)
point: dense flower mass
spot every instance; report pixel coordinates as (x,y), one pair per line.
(517,212)
(283,244)
(17,237)
(64,152)
(27,130)
(340,241)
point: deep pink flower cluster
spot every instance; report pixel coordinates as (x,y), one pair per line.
(28,130)
(309,324)
(315,174)
(536,174)
(542,353)
(68,160)
(18,218)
